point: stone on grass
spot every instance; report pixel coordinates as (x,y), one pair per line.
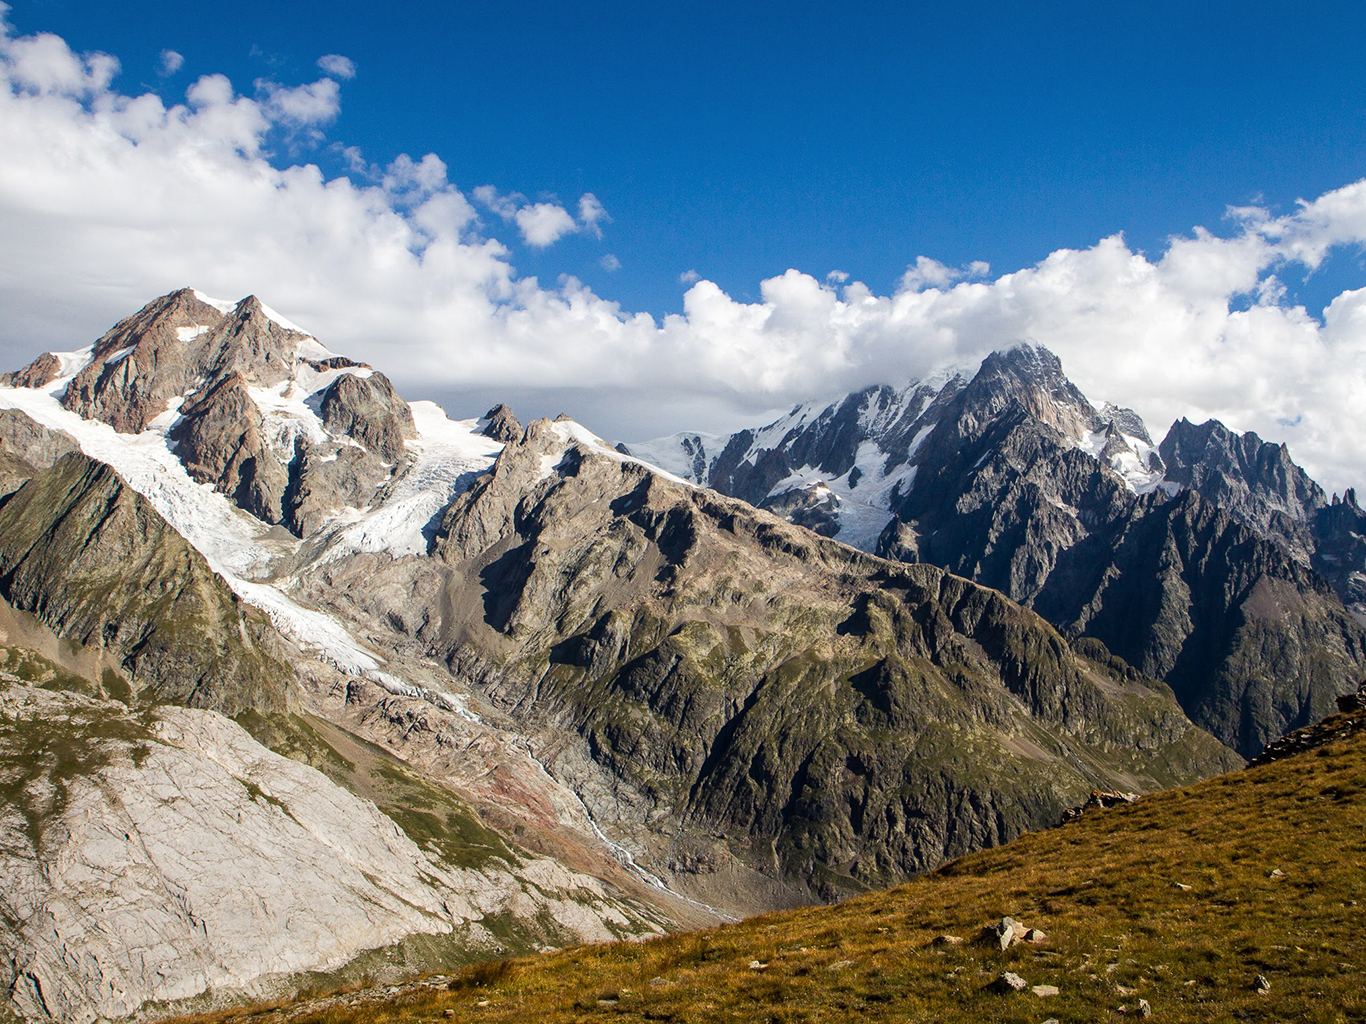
(1044,991)
(1009,981)
(1002,933)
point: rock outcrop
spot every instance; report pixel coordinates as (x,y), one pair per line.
(1255,482)
(26,448)
(501,425)
(367,410)
(165,854)
(1260,486)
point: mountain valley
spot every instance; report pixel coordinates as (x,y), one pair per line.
(445,691)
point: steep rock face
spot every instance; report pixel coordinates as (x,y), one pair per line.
(37,374)
(759,695)
(145,361)
(25,448)
(501,424)
(1254,481)
(1340,549)
(1253,643)
(250,342)
(95,563)
(1168,584)
(367,410)
(221,439)
(1260,486)
(165,854)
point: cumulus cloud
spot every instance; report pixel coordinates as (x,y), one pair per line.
(543,223)
(169,63)
(338,66)
(930,273)
(108,199)
(610,262)
(300,106)
(689,277)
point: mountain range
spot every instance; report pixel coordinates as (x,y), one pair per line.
(518,686)
(1210,561)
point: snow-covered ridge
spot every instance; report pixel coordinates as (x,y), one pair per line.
(571,433)
(222,305)
(891,426)
(241,548)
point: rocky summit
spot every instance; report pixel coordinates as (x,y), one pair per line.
(302,680)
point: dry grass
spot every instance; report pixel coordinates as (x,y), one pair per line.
(1106,889)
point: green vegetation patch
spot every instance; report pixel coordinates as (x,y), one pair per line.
(432,816)
(41,754)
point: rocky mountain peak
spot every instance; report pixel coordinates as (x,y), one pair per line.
(1033,376)
(1235,468)
(1255,481)
(501,424)
(257,407)
(253,344)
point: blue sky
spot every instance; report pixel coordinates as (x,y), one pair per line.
(738,140)
(1004,147)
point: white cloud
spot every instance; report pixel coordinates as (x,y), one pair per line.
(406,177)
(689,277)
(930,273)
(300,106)
(544,224)
(169,63)
(610,262)
(505,206)
(44,64)
(590,213)
(107,200)
(338,66)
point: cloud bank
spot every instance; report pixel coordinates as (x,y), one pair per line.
(108,199)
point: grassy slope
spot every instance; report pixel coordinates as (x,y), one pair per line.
(1104,888)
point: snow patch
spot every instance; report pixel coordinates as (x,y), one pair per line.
(448,454)
(571,432)
(72,363)
(222,305)
(288,325)
(672,453)
(231,540)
